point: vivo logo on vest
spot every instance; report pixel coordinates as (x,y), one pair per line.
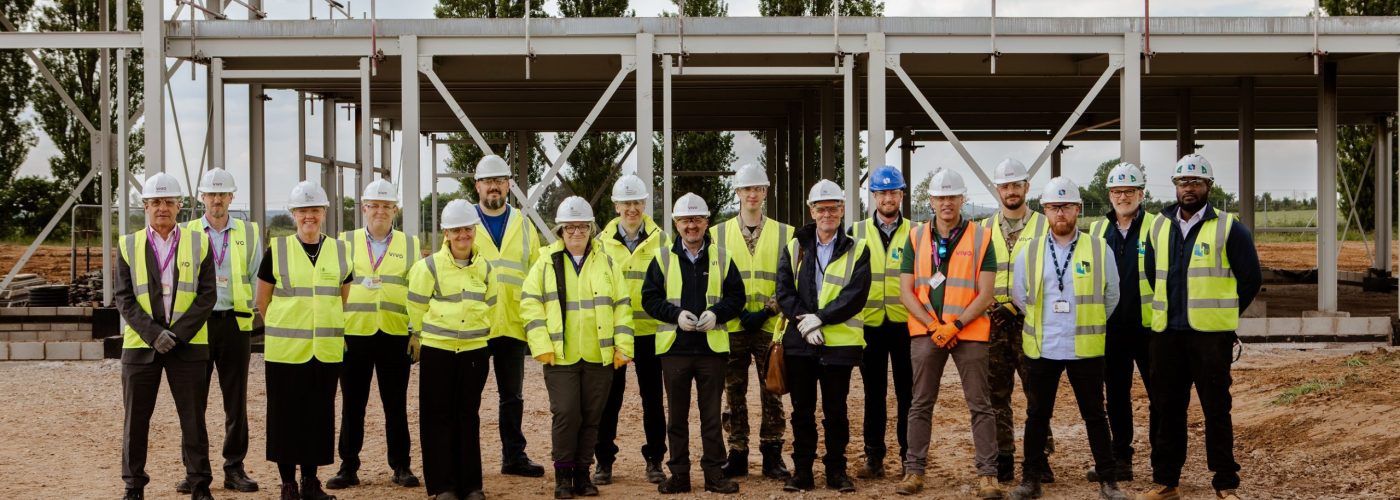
(963,253)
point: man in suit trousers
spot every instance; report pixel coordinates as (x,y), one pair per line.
(165,290)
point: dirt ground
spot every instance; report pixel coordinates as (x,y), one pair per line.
(51,262)
(61,428)
(1354,255)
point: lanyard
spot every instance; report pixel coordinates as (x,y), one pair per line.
(369,243)
(939,243)
(219,257)
(169,255)
(1060,270)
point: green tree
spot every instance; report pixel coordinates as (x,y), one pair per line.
(489,9)
(16,133)
(866,8)
(1355,143)
(29,203)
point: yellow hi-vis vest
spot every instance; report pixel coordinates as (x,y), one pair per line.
(1213,303)
(837,275)
(306,317)
(634,264)
(245,245)
(717,267)
(1037,226)
(189,253)
(451,305)
(1087,264)
(369,311)
(1100,227)
(511,258)
(883,301)
(594,297)
(758,269)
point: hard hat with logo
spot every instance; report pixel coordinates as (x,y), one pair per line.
(459,213)
(380,190)
(750,175)
(886,178)
(946,183)
(1061,190)
(217,180)
(629,188)
(1125,175)
(161,185)
(490,167)
(574,209)
(307,194)
(825,190)
(690,205)
(1009,170)
(1194,165)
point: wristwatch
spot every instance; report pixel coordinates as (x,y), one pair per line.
(957,323)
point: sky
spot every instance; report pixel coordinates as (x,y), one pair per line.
(1296,159)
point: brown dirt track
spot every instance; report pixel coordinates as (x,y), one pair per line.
(61,429)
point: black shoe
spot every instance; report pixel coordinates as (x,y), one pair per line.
(874,468)
(563,482)
(311,490)
(773,466)
(524,468)
(1124,472)
(800,481)
(134,494)
(1006,468)
(290,492)
(603,476)
(737,465)
(676,484)
(183,487)
(840,482)
(475,495)
(722,485)
(654,473)
(343,479)
(1027,490)
(239,481)
(201,493)
(404,477)
(583,483)
(1048,475)
(446,495)
(1108,490)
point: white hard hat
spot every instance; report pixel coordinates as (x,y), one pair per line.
(217,180)
(629,188)
(380,190)
(1194,165)
(491,166)
(1061,190)
(574,209)
(161,185)
(307,194)
(825,190)
(1125,175)
(946,183)
(690,205)
(750,175)
(1009,170)
(459,213)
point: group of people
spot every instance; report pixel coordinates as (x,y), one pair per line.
(692,311)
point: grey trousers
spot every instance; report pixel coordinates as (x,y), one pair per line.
(577,394)
(189,388)
(928,361)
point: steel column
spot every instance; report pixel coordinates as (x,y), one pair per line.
(1382,191)
(104,153)
(329,171)
(1327,189)
(875,99)
(1246,145)
(1185,132)
(1130,101)
(770,152)
(828,136)
(796,191)
(1057,161)
(301,135)
(848,136)
(257,156)
(153,53)
(645,128)
(365,134)
(216,115)
(409,177)
(906,162)
(666,181)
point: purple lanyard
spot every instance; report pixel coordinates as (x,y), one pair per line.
(369,247)
(169,255)
(938,245)
(219,257)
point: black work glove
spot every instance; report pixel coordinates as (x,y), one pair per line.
(752,322)
(165,342)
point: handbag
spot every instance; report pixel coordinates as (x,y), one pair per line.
(776,378)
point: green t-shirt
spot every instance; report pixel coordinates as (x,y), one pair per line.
(906,266)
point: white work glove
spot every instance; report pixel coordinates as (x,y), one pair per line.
(814,337)
(165,342)
(808,322)
(707,321)
(687,321)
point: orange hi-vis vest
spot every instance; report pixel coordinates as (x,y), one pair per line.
(959,285)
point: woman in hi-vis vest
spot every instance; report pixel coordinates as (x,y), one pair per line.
(303,283)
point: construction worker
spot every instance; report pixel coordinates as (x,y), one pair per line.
(450,297)
(823,283)
(237,249)
(376,335)
(510,244)
(303,285)
(631,240)
(1126,229)
(1207,273)
(946,285)
(578,313)
(753,241)
(1012,225)
(692,289)
(886,329)
(1067,284)
(165,333)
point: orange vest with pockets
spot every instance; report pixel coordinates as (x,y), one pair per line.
(960,285)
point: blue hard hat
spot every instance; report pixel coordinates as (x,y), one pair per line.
(886,178)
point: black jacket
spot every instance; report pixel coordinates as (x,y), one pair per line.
(150,326)
(1127,317)
(797,301)
(694,280)
(1239,248)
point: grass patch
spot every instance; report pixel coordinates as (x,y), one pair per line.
(1312,386)
(1356,362)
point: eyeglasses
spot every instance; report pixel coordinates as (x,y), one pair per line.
(1060,208)
(689,221)
(1121,193)
(380,206)
(494,181)
(576,228)
(628,204)
(832,210)
(453,232)
(162,202)
(1189,182)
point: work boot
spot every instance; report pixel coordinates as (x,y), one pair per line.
(716,482)
(183,487)
(801,479)
(404,477)
(987,488)
(239,481)
(603,476)
(1226,495)
(773,466)
(1047,476)
(583,483)
(446,495)
(563,482)
(1028,489)
(654,473)
(911,485)
(201,493)
(678,483)
(1108,490)
(523,467)
(134,494)
(874,467)
(311,490)
(290,492)
(343,479)
(475,495)
(1159,492)
(1006,468)
(737,465)
(839,481)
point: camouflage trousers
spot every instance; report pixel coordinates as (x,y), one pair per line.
(1004,364)
(745,349)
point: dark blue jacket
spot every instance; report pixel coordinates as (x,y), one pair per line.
(1239,248)
(1127,317)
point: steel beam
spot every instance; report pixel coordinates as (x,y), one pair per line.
(628,63)
(1327,188)
(1113,66)
(409,178)
(644,109)
(1246,146)
(70,40)
(942,126)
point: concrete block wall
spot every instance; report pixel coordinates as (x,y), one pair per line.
(48,333)
(1316,329)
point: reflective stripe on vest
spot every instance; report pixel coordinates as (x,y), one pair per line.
(459,320)
(1211,298)
(246,241)
(306,318)
(960,282)
(836,276)
(634,264)
(511,265)
(189,254)
(1035,227)
(1091,313)
(600,299)
(369,311)
(759,269)
(717,265)
(883,301)
(1144,295)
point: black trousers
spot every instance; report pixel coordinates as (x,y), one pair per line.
(804,375)
(449,426)
(188,387)
(1125,347)
(577,394)
(508,360)
(229,350)
(886,350)
(1181,359)
(648,367)
(707,372)
(1041,384)
(366,356)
